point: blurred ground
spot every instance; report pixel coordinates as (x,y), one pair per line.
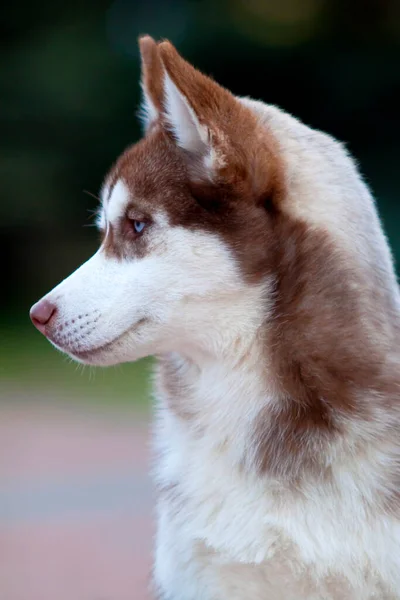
(75,501)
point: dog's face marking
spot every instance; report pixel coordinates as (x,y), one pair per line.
(116,202)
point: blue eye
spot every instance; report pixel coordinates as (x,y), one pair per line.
(139,226)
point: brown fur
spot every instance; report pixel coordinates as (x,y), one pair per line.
(327,349)
(152,70)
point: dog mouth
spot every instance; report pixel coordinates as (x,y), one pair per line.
(89,355)
(92,352)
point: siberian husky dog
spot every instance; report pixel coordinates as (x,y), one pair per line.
(243,249)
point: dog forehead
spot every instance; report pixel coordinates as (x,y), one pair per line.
(151,165)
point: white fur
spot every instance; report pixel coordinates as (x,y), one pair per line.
(100,216)
(189,133)
(148,112)
(248,520)
(115,207)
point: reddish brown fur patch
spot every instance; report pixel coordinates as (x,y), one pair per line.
(328,354)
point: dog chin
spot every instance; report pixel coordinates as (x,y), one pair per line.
(97,358)
(100,357)
(114,352)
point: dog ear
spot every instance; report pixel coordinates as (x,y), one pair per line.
(219,136)
(198,112)
(152,81)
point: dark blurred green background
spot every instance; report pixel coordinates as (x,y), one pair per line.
(69,94)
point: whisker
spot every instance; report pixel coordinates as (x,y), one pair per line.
(93,215)
(91,194)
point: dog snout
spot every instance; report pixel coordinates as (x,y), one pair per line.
(41,314)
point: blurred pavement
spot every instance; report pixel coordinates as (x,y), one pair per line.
(75,503)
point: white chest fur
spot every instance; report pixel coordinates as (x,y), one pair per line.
(209,497)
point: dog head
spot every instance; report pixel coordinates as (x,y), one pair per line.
(184,227)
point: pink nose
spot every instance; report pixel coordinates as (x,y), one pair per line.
(41,313)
